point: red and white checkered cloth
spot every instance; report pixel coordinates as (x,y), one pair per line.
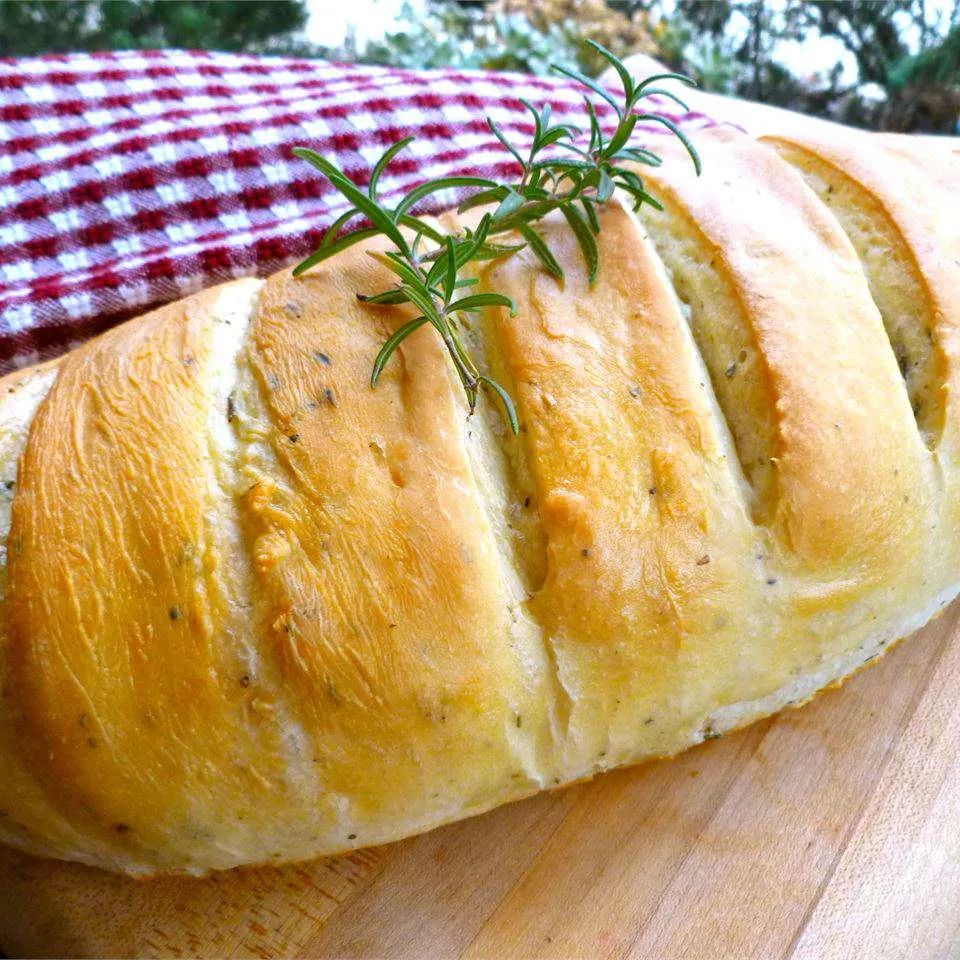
(130,179)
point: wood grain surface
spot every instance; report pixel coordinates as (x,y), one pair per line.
(828,832)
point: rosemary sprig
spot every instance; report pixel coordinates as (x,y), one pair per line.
(558,172)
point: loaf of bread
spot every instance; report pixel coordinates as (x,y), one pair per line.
(256,611)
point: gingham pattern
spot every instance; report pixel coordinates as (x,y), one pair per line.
(130,179)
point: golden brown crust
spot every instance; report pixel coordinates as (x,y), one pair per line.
(382,598)
(647,532)
(832,377)
(903,186)
(259,611)
(123,686)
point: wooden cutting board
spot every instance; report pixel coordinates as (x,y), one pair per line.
(828,832)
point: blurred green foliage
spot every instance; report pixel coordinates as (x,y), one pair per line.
(893,89)
(61,26)
(466,38)
(939,64)
(730,46)
(503,35)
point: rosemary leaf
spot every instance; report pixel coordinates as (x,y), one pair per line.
(324,252)
(433,186)
(541,250)
(592,84)
(679,134)
(484,300)
(391,344)
(660,92)
(376,214)
(586,239)
(499,134)
(506,400)
(450,278)
(387,297)
(383,163)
